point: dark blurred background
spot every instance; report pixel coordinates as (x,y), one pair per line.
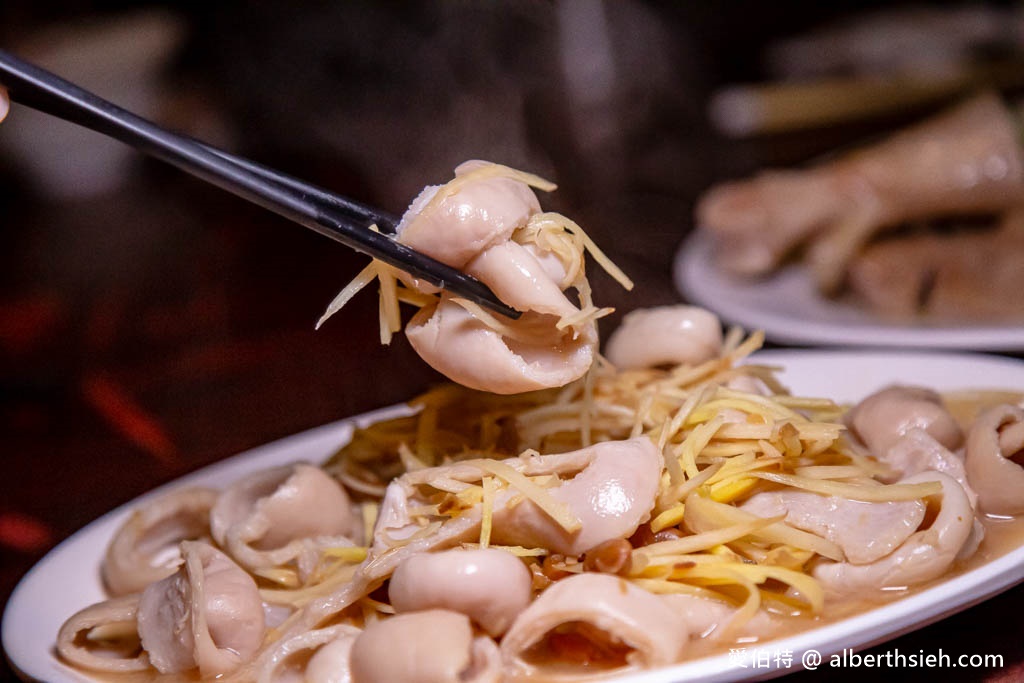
(150,325)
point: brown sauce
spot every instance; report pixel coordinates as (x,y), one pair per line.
(1002,535)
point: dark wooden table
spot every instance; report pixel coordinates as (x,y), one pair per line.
(152,330)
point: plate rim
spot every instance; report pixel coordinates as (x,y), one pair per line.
(899,617)
(698,279)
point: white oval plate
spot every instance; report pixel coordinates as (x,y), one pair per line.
(67,579)
(788,307)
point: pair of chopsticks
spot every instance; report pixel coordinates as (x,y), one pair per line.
(331,215)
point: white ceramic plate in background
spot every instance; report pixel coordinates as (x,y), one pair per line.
(67,579)
(788,307)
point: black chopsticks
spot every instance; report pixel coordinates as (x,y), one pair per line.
(337,217)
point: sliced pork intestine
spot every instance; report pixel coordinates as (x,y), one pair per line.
(665,335)
(428,646)
(518,276)
(332,662)
(707,618)
(328,663)
(472,228)
(489,585)
(281,514)
(917,451)
(145,548)
(395,540)
(865,532)
(609,606)
(882,418)
(925,555)
(481,213)
(397,536)
(996,436)
(910,430)
(535,355)
(207,615)
(120,613)
(534,352)
(611,494)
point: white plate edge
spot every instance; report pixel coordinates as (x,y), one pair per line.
(688,268)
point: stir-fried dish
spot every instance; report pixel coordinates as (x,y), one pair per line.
(645,508)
